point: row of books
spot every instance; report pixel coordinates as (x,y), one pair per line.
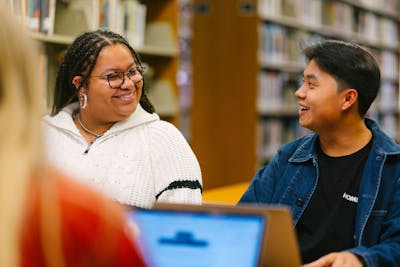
(276,92)
(70,17)
(307,11)
(375,28)
(273,132)
(312,8)
(338,15)
(335,17)
(35,14)
(387,122)
(389,64)
(127,17)
(388,99)
(364,24)
(384,4)
(280,44)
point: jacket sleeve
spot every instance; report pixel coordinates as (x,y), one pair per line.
(386,252)
(261,188)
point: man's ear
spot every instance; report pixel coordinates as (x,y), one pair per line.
(76,81)
(350,98)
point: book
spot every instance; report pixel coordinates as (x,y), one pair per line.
(33,15)
(47,13)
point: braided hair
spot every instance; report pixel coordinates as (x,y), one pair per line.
(80,59)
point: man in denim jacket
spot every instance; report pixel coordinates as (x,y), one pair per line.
(343,182)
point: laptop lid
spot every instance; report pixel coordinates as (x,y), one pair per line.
(175,235)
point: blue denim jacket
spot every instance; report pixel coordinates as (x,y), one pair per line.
(290,178)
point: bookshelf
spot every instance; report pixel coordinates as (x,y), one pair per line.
(247,67)
(223,114)
(149,25)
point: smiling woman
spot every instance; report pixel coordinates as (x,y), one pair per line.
(103,128)
(111,97)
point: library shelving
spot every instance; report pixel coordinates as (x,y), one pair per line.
(149,25)
(223,114)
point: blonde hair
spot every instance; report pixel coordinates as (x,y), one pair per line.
(20,130)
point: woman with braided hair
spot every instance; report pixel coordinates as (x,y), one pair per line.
(46,218)
(103,129)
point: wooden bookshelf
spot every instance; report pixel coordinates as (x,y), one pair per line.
(162,37)
(223,112)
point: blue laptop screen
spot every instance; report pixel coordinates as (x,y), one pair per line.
(175,239)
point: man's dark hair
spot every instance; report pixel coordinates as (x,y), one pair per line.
(351,65)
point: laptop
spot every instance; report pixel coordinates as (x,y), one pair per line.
(211,235)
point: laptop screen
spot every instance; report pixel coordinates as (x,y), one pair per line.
(190,238)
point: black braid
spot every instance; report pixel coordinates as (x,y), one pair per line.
(80,59)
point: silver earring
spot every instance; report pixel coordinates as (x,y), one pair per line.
(83,101)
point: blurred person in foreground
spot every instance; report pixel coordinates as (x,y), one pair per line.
(103,128)
(46,219)
(342,182)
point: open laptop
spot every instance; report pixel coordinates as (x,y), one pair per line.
(211,235)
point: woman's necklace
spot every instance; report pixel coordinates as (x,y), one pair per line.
(86,129)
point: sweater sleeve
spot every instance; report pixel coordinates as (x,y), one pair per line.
(176,171)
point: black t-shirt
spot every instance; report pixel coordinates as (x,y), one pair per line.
(328,223)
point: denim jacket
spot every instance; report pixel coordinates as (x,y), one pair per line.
(290,178)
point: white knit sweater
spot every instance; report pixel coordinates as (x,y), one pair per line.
(137,161)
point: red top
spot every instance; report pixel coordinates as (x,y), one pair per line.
(92,229)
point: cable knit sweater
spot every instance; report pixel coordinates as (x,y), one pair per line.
(137,161)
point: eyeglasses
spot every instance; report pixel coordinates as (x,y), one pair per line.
(116,80)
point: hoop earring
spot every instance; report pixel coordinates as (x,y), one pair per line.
(83,101)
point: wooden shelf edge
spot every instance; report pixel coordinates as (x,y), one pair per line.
(158,50)
(378,10)
(287,66)
(286,111)
(327,31)
(53,39)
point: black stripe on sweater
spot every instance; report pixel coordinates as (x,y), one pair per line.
(182,184)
